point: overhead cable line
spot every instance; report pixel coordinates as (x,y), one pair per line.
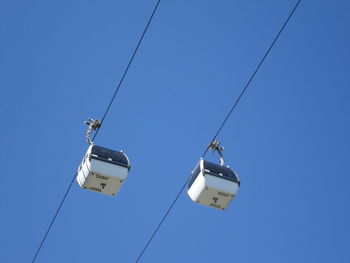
(252,76)
(220,128)
(104,116)
(127,67)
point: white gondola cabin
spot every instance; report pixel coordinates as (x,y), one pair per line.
(103,170)
(213,185)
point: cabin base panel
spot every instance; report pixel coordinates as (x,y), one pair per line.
(214,198)
(103,184)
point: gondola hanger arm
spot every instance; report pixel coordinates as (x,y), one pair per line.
(93,125)
(214,146)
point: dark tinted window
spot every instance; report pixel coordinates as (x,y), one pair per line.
(197,170)
(220,170)
(107,154)
(194,175)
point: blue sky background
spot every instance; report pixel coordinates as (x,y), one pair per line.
(288,139)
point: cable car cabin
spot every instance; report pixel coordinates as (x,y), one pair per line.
(213,185)
(103,170)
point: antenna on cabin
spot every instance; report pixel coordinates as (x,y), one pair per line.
(93,125)
(215,147)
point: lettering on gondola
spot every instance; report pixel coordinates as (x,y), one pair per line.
(95,189)
(223,194)
(215,205)
(102,177)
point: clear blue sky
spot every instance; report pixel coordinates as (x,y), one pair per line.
(288,139)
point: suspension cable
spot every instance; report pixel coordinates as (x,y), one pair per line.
(53,219)
(104,116)
(220,128)
(127,67)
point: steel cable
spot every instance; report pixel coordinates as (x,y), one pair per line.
(220,127)
(104,116)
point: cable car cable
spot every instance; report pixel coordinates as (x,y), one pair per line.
(53,219)
(252,76)
(161,221)
(104,116)
(127,67)
(221,126)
